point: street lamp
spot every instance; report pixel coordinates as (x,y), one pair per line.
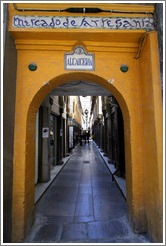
(86,115)
(86,111)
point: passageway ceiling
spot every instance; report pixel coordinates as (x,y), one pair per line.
(80,88)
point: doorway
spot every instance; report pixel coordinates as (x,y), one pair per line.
(94,175)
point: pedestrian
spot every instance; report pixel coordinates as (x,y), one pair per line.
(87,136)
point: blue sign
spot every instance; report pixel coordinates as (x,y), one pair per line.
(80,60)
(78,22)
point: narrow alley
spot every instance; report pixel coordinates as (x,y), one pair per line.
(83,204)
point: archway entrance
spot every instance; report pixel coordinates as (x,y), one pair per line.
(79,197)
(137,92)
(81,107)
(30,132)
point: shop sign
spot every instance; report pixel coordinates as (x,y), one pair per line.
(45,132)
(71,145)
(80,60)
(82,22)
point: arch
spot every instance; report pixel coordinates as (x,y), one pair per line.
(24,207)
(74,76)
(90,77)
(31,124)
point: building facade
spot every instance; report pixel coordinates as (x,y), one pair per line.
(108,131)
(58,126)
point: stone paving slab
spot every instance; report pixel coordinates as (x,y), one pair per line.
(83,205)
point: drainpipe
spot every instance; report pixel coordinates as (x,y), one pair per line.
(83,10)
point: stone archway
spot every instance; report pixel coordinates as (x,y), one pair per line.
(139,96)
(23,202)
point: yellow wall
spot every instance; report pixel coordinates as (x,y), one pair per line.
(112,49)
(152,134)
(77,113)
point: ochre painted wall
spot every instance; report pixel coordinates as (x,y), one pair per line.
(112,48)
(9,91)
(77,113)
(152,134)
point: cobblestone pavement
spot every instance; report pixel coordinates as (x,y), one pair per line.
(83,205)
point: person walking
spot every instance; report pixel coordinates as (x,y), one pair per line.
(81,139)
(87,136)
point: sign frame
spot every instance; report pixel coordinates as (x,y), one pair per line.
(71,137)
(45,132)
(83,22)
(75,52)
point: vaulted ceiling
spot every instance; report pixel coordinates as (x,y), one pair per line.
(80,88)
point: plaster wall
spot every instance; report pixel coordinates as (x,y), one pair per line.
(158,16)
(55,106)
(77,114)
(9,90)
(152,135)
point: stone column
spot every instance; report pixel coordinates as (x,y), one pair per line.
(67,134)
(94,131)
(105,133)
(65,127)
(67,124)
(109,132)
(102,143)
(100,132)
(60,136)
(121,143)
(116,138)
